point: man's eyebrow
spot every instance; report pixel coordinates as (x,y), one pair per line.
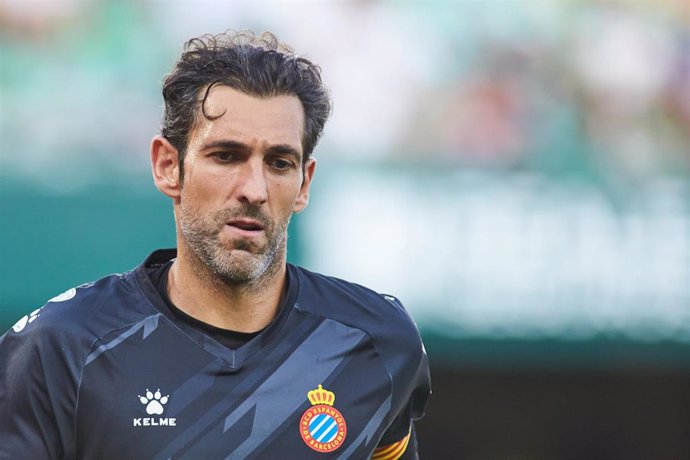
(285,149)
(278,149)
(225,144)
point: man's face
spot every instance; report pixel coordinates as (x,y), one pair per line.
(243,180)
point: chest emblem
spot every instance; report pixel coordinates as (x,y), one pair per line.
(322,426)
(155,405)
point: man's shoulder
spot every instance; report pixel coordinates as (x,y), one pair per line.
(376,313)
(343,291)
(382,317)
(84,312)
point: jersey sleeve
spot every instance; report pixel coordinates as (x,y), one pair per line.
(399,442)
(403,449)
(34,395)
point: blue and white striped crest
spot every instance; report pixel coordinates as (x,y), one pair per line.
(323,428)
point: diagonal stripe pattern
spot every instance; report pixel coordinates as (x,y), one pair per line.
(323,428)
(150,323)
(279,396)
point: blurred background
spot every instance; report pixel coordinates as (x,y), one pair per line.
(517,172)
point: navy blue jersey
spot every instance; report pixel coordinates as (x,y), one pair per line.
(106,371)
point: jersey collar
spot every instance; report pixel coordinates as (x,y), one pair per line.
(233,358)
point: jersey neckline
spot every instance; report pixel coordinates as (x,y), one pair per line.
(234,358)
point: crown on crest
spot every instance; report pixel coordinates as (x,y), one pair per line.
(321,396)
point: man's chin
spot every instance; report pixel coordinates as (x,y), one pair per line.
(240,267)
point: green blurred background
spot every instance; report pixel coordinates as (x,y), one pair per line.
(515,171)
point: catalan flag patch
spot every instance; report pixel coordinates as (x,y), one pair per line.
(392,451)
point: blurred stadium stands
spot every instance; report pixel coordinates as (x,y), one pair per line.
(516,172)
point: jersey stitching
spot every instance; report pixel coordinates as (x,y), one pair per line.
(81,378)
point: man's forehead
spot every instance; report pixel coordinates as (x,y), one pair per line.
(231,111)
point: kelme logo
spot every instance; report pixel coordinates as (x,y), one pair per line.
(154,404)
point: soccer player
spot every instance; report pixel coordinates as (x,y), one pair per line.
(219,349)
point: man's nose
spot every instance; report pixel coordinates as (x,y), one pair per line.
(253,187)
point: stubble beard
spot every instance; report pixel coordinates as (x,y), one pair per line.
(243,264)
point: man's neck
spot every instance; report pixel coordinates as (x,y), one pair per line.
(246,307)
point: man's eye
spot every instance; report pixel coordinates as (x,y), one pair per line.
(223,157)
(281,164)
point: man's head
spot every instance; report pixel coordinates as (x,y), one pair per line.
(242,117)
(257,66)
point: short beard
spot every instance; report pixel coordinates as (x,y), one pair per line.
(202,237)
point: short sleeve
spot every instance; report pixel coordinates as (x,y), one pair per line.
(404,448)
(33,400)
(399,442)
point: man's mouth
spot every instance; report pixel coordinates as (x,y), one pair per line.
(246,225)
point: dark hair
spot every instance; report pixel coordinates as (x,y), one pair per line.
(259,66)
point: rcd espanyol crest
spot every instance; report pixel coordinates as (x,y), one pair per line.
(322,426)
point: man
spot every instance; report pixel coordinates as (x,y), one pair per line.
(220,349)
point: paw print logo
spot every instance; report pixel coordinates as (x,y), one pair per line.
(27,319)
(154,402)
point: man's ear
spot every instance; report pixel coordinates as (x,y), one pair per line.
(165,167)
(302,199)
